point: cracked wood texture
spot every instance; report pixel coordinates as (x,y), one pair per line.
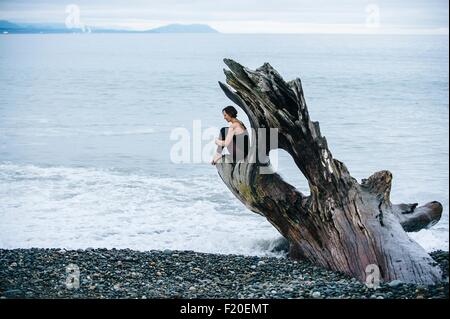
(342,225)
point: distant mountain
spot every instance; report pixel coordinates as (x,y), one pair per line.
(184,28)
(10,27)
(6,24)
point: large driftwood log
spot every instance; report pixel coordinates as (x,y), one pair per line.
(342,225)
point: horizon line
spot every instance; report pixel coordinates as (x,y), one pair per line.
(353,29)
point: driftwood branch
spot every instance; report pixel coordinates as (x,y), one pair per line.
(342,225)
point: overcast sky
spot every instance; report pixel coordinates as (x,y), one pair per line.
(245,16)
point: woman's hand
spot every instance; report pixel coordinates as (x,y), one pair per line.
(219,142)
(215,159)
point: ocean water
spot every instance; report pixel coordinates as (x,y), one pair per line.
(86,123)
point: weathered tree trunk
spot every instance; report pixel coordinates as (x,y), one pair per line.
(342,225)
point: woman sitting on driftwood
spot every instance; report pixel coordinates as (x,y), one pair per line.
(234,138)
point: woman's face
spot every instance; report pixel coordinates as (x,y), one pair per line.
(226,117)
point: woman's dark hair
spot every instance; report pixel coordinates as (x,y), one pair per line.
(230,110)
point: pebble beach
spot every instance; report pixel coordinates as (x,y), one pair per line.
(116,274)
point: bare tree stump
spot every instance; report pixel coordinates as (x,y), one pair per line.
(342,225)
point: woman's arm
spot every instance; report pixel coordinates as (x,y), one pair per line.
(216,158)
(228,138)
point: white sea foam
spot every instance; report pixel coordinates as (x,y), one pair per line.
(85,207)
(431,239)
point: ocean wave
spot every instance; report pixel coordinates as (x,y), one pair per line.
(75,207)
(88,207)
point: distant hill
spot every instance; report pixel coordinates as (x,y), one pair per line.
(10,27)
(6,24)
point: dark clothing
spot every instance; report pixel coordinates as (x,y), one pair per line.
(239,146)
